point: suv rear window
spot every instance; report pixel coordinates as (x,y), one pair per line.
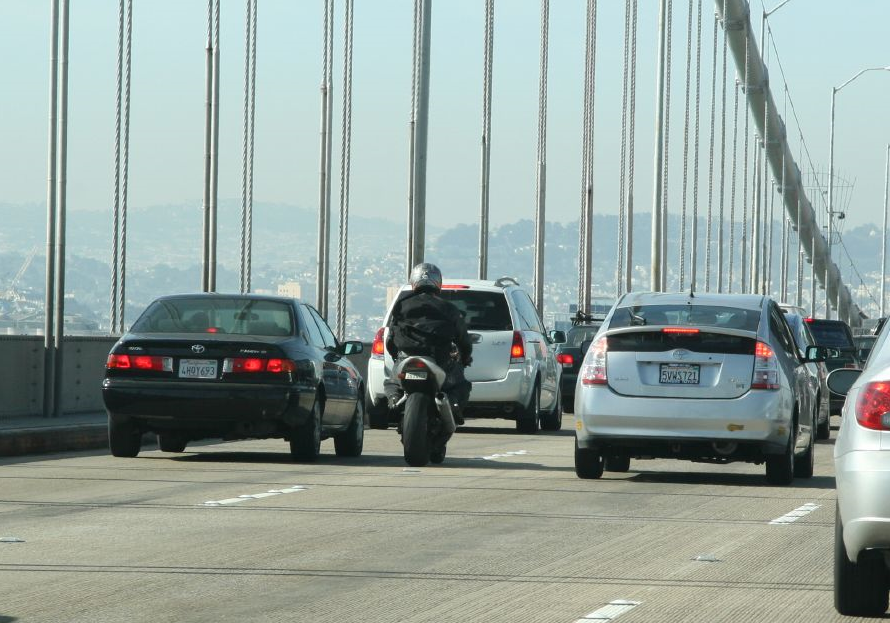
(686,315)
(831,333)
(482,311)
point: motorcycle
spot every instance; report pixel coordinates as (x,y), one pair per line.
(427,420)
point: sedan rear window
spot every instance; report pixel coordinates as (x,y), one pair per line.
(216,315)
(686,315)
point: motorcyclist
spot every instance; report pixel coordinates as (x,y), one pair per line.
(424,323)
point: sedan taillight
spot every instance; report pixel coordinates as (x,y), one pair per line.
(873,406)
(594,371)
(247,365)
(139,362)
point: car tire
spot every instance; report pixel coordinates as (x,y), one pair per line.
(305,445)
(552,420)
(860,588)
(780,467)
(124,439)
(378,414)
(617,463)
(803,465)
(588,462)
(527,418)
(568,405)
(351,441)
(823,429)
(172,442)
(415,430)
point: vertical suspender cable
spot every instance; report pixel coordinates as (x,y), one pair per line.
(61,208)
(631,142)
(324,203)
(622,175)
(711,162)
(586,229)
(486,138)
(251,149)
(657,234)
(412,133)
(667,144)
(125,172)
(346,149)
(682,284)
(247,33)
(732,189)
(541,179)
(214,153)
(328,164)
(49,353)
(722,192)
(208,132)
(743,263)
(421,125)
(115,226)
(693,261)
(585,148)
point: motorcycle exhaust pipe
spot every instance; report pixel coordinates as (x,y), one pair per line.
(448,425)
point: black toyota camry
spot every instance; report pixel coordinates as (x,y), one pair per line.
(233,366)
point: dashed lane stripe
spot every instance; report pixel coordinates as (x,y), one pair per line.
(797,513)
(254,496)
(492,457)
(613,610)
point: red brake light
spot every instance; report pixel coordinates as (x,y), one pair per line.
(212,330)
(239,365)
(378,348)
(680,330)
(454,286)
(873,406)
(517,350)
(140,362)
(565,359)
(808,319)
(118,361)
(280,365)
(766,368)
(762,350)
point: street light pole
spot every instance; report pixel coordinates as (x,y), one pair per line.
(834,91)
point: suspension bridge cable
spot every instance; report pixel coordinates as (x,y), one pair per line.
(722,161)
(115,243)
(622,175)
(711,161)
(541,176)
(245,140)
(125,173)
(686,147)
(629,204)
(346,149)
(743,264)
(667,133)
(693,264)
(732,190)
(251,152)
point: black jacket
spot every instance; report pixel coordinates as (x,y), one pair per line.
(426,324)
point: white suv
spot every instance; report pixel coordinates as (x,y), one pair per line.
(514,371)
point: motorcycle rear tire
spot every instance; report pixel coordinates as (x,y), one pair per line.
(415,430)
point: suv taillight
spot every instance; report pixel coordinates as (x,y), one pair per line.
(873,406)
(594,372)
(766,368)
(517,350)
(378,348)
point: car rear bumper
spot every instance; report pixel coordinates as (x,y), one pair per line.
(209,407)
(863,478)
(757,418)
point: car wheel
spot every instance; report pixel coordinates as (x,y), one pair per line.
(527,419)
(860,588)
(378,414)
(351,441)
(780,468)
(588,463)
(124,439)
(172,442)
(617,463)
(305,445)
(803,465)
(552,420)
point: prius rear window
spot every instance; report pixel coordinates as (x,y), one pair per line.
(686,315)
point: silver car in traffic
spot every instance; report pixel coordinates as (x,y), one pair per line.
(704,377)
(862,473)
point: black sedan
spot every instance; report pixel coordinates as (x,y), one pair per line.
(233,366)
(571,353)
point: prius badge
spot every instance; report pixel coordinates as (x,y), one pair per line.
(197,349)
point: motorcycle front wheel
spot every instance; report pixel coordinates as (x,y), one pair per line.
(415,430)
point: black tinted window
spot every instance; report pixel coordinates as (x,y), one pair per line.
(657,341)
(216,315)
(482,311)
(686,315)
(577,335)
(831,334)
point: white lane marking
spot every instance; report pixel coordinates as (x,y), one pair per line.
(794,515)
(255,496)
(613,610)
(492,457)
(11,539)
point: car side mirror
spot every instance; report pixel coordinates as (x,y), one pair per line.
(816,353)
(841,380)
(352,347)
(557,337)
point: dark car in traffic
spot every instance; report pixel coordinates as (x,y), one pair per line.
(570,354)
(233,366)
(836,336)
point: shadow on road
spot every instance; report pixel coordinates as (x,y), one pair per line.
(718,478)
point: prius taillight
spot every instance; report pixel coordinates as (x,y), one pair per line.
(594,371)
(766,368)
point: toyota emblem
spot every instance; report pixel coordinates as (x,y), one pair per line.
(680,354)
(197,349)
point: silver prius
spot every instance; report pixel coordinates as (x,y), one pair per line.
(704,377)
(862,472)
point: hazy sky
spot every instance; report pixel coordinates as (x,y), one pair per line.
(821,44)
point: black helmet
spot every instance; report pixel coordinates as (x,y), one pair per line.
(426,278)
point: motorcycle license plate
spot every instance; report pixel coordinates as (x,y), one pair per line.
(415,376)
